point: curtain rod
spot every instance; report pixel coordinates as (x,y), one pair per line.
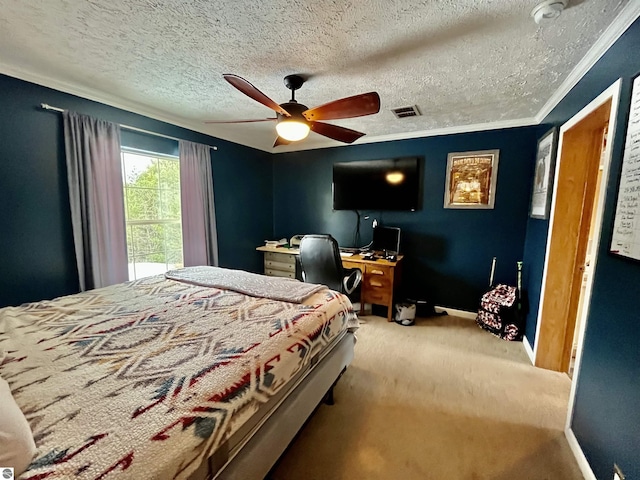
(46,106)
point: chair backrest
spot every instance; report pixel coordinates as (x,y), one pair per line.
(320,261)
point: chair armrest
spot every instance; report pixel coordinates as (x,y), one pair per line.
(351,280)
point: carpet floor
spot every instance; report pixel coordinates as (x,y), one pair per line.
(440,399)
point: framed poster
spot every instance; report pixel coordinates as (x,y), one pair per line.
(626,226)
(471,179)
(543,175)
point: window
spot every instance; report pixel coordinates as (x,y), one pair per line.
(152,213)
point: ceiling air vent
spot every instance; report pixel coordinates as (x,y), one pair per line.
(404,112)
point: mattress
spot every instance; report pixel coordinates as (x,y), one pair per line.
(149,378)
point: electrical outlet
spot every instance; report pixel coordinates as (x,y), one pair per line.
(617,473)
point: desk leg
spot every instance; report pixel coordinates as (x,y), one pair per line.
(389,311)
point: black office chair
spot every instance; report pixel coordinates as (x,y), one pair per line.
(321,263)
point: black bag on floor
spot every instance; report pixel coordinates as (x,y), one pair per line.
(501,309)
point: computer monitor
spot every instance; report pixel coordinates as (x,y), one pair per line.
(386,239)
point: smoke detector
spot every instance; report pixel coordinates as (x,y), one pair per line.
(548,10)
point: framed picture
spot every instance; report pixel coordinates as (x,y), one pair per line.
(471,179)
(543,175)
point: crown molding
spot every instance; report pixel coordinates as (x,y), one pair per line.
(135,107)
(94,95)
(113,101)
(614,31)
(621,23)
(477,127)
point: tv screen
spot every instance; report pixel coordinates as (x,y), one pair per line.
(391,184)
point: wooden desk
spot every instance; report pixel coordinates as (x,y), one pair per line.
(380,278)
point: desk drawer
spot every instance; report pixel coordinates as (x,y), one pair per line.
(374,282)
(279,273)
(279,257)
(377,295)
(378,284)
(273,265)
(380,271)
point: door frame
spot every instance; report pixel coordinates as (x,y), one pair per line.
(612,95)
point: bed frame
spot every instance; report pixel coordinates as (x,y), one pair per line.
(257,452)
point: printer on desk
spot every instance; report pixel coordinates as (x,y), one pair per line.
(276,243)
(295,240)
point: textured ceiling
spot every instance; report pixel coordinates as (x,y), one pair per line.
(462,62)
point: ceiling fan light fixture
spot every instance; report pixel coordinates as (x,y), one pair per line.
(292,129)
(295,121)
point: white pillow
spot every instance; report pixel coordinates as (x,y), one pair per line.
(17,447)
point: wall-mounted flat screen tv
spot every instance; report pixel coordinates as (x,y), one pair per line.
(390,184)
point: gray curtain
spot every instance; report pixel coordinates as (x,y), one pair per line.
(94,172)
(199,236)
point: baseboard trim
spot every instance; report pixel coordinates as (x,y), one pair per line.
(529,350)
(585,468)
(456,312)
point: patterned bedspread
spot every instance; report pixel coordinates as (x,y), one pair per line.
(145,379)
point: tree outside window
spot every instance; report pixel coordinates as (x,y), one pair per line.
(152,213)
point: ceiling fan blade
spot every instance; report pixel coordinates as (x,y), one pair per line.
(252,92)
(335,132)
(242,121)
(349,107)
(280,141)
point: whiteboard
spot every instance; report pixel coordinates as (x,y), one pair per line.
(626,226)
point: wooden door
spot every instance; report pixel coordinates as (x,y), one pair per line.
(578,166)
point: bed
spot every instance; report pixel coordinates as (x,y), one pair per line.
(200,373)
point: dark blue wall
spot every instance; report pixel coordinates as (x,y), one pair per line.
(447,251)
(534,253)
(36,243)
(606,418)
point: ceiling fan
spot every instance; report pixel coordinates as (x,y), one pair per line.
(296,120)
